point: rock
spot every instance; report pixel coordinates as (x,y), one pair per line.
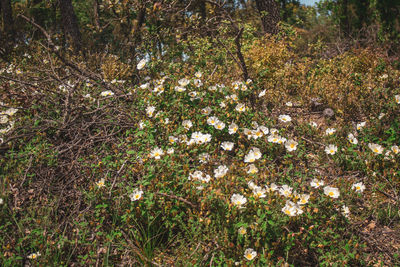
(329,113)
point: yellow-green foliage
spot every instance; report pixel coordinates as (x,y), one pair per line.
(277,68)
(357,82)
(354,83)
(113,68)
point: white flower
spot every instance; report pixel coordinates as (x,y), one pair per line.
(198,82)
(227,145)
(212,121)
(242,231)
(206,111)
(281,140)
(361,125)
(33,255)
(395,149)
(234,97)
(145,86)
(285,190)
(273,187)
(205,138)
(180,89)
(187,124)
(317,183)
(220,125)
(11,111)
(345,211)
(291,145)
(333,192)
(273,138)
(257,133)
(233,127)
(381,115)
(107,93)
(250,254)
(136,194)
(100,183)
(303,199)
(331,149)
(253,155)
(183,82)
(359,187)
(150,110)
(285,118)
(250,157)
(221,171)
(289,104)
(313,124)
(141,64)
(204,157)
(3,119)
(352,139)
(378,149)
(262,93)
(172,139)
(273,131)
(238,200)
(198,175)
(240,107)
(170,151)
(1,201)
(292,209)
(252,169)
(198,74)
(330,131)
(397,98)
(264,129)
(251,185)
(156,153)
(259,191)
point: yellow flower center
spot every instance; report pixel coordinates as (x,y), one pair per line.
(331,194)
(249,256)
(291,145)
(238,202)
(288,212)
(137,196)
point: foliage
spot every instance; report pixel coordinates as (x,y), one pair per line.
(150,149)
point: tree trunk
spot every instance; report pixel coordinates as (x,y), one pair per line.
(6,12)
(269,12)
(96,14)
(70,23)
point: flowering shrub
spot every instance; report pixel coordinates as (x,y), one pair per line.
(185,169)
